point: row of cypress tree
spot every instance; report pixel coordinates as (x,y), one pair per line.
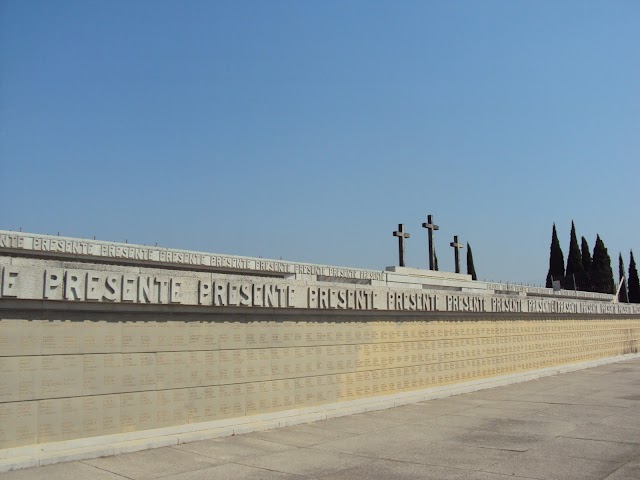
(592,274)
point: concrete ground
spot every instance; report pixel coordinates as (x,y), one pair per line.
(582,425)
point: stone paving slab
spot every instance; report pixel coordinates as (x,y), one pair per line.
(598,431)
(501,441)
(493,476)
(151,464)
(299,435)
(379,444)
(235,471)
(357,424)
(582,425)
(630,471)
(233,449)
(617,452)
(455,456)
(62,471)
(554,467)
(308,462)
(392,470)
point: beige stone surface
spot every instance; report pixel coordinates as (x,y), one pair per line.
(165,373)
(20,337)
(18,424)
(492,419)
(138,411)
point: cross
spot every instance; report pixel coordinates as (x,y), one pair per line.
(401,236)
(457,247)
(432,253)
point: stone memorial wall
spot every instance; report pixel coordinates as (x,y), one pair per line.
(103,339)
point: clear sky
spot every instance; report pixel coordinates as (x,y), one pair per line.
(308,130)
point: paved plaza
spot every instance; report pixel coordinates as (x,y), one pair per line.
(582,425)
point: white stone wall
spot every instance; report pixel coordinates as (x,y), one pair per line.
(99,339)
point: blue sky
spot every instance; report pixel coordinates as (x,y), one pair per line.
(308,130)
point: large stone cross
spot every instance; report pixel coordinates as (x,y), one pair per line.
(457,246)
(429,225)
(400,233)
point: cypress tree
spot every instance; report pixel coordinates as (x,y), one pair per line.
(574,259)
(556,259)
(601,273)
(586,255)
(623,296)
(471,269)
(634,283)
(584,283)
(435,260)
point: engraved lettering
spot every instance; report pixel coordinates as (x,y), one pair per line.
(128,288)
(92,286)
(220,294)
(112,285)
(270,293)
(9,282)
(162,284)
(245,298)
(204,292)
(176,293)
(73,286)
(258,300)
(290,296)
(313,298)
(144,289)
(52,280)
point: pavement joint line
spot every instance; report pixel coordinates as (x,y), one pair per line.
(443,442)
(104,469)
(419,464)
(490,448)
(194,453)
(162,476)
(359,455)
(317,424)
(598,440)
(593,440)
(576,404)
(624,464)
(512,476)
(266,469)
(189,471)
